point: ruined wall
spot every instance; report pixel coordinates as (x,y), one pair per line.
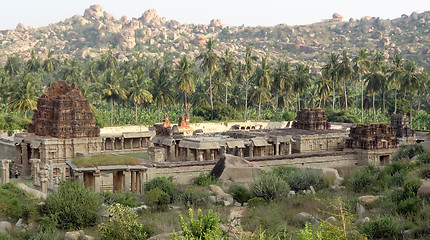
(311,119)
(372,136)
(63,112)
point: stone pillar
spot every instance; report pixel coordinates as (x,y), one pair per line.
(5,170)
(96,175)
(138,181)
(251,150)
(122,143)
(199,155)
(103,144)
(113,143)
(127,180)
(35,167)
(43,178)
(208,154)
(133,181)
(140,142)
(276,148)
(187,158)
(131,143)
(289,148)
(79,176)
(239,152)
(142,179)
(50,173)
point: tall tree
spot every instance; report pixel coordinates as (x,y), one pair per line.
(138,92)
(24,96)
(249,70)
(209,65)
(112,89)
(375,79)
(345,73)
(323,87)
(263,82)
(395,73)
(228,68)
(361,66)
(107,61)
(331,69)
(302,81)
(410,81)
(185,78)
(33,64)
(162,91)
(13,65)
(50,64)
(282,80)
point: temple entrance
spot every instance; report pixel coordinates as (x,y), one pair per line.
(118,181)
(384,160)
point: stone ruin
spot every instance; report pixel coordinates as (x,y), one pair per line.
(401,125)
(163,129)
(372,137)
(311,119)
(184,121)
(63,112)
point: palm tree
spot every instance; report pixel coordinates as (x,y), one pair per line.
(112,89)
(209,64)
(302,81)
(323,87)
(90,72)
(107,61)
(331,69)
(263,82)
(361,66)
(24,97)
(249,69)
(12,66)
(281,77)
(162,91)
(228,69)
(33,64)
(374,79)
(395,73)
(185,76)
(345,73)
(70,71)
(138,91)
(410,81)
(50,64)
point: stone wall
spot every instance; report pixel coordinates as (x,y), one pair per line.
(7,149)
(311,119)
(372,136)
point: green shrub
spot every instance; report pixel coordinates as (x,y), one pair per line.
(283,171)
(256,201)
(341,116)
(407,152)
(303,179)
(157,199)
(269,187)
(204,227)
(193,197)
(125,198)
(16,203)
(425,157)
(362,180)
(161,183)
(239,193)
(424,172)
(73,206)
(382,227)
(205,180)
(123,225)
(45,230)
(409,205)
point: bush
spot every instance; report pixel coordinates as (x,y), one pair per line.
(382,227)
(161,183)
(283,171)
(157,199)
(221,112)
(425,157)
(239,193)
(341,116)
(125,198)
(204,227)
(407,152)
(256,201)
(361,180)
(73,206)
(269,187)
(303,179)
(15,203)
(205,180)
(193,197)
(123,225)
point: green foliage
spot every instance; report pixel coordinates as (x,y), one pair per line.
(45,230)
(425,157)
(302,179)
(10,122)
(221,112)
(407,152)
(157,199)
(239,193)
(193,197)
(269,187)
(123,225)
(343,116)
(73,206)
(382,227)
(16,203)
(203,228)
(205,180)
(362,180)
(124,198)
(161,183)
(256,201)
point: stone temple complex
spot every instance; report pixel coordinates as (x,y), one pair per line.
(63,128)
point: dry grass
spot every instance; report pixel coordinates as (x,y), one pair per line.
(104,160)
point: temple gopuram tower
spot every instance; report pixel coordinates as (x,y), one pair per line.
(62,126)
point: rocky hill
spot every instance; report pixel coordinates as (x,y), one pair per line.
(90,34)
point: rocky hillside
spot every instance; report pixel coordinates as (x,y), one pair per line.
(90,34)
